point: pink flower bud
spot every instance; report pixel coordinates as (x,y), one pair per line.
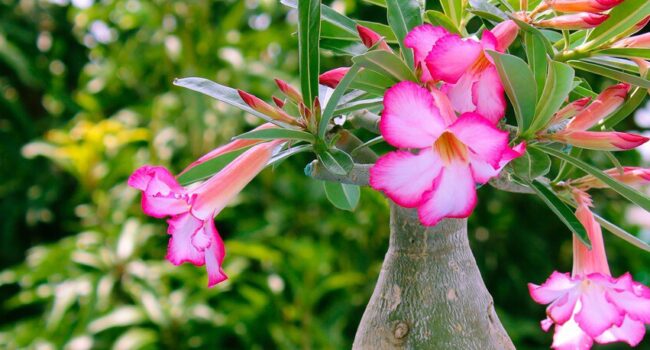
(506,33)
(278,102)
(570,110)
(637,42)
(257,104)
(606,103)
(333,77)
(593,6)
(576,21)
(602,141)
(370,38)
(289,90)
(630,176)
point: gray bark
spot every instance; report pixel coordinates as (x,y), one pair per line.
(430,294)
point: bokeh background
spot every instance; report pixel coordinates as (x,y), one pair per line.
(86,97)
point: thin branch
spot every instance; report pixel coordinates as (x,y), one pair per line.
(503,182)
(365,119)
(359,174)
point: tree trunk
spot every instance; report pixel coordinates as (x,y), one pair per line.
(430,294)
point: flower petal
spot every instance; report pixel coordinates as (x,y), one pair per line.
(214,255)
(451,57)
(162,195)
(404,177)
(180,249)
(453,195)
(460,93)
(421,39)
(553,288)
(569,336)
(488,95)
(597,314)
(481,136)
(410,118)
(630,331)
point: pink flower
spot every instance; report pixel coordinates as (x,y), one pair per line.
(576,132)
(582,5)
(333,77)
(191,211)
(452,154)
(575,21)
(590,305)
(470,79)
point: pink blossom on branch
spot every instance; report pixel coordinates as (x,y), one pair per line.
(191,211)
(593,6)
(590,305)
(470,79)
(452,154)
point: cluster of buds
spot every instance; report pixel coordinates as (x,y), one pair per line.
(576,14)
(571,124)
(308,118)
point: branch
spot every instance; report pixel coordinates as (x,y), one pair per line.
(365,119)
(503,182)
(359,174)
(350,143)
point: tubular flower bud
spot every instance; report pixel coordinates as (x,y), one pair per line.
(630,176)
(570,110)
(370,38)
(333,77)
(636,42)
(278,102)
(593,6)
(257,104)
(605,104)
(505,32)
(289,91)
(576,21)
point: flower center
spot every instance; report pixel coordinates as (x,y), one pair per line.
(449,148)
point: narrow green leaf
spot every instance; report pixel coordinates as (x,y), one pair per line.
(336,161)
(532,164)
(328,112)
(438,18)
(221,93)
(381,3)
(560,209)
(621,18)
(358,105)
(614,63)
(343,47)
(621,233)
(385,63)
(559,82)
(209,167)
(276,133)
(486,10)
(454,10)
(610,73)
(625,52)
(624,190)
(342,196)
(372,82)
(516,78)
(403,15)
(537,59)
(308,41)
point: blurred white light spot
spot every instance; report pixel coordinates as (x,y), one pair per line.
(260,22)
(642,116)
(84,342)
(231,55)
(276,283)
(82,4)
(169,23)
(44,41)
(173,47)
(57,67)
(101,32)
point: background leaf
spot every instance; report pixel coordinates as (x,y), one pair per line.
(308,41)
(403,15)
(342,196)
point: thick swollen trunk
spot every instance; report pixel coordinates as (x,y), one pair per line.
(430,294)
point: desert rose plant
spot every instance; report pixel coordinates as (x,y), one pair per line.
(482,92)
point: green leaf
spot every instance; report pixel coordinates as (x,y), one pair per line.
(209,167)
(380,29)
(358,105)
(536,32)
(342,196)
(221,93)
(403,15)
(621,18)
(454,10)
(385,63)
(559,82)
(336,161)
(537,58)
(372,82)
(381,3)
(614,63)
(560,209)
(625,52)
(516,78)
(633,102)
(486,10)
(532,164)
(438,18)
(276,133)
(624,190)
(621,233)
(343,47)
(328,113)
(308,41)
(610,73)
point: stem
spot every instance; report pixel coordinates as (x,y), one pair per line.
(366,120)
(359,174)
(430,294)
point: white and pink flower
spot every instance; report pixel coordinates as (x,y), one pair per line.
(443,157)
(468,74)
(191,210)
(590,305)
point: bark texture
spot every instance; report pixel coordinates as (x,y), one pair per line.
(430,294)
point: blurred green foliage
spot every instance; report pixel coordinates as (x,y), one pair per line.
(86,95)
